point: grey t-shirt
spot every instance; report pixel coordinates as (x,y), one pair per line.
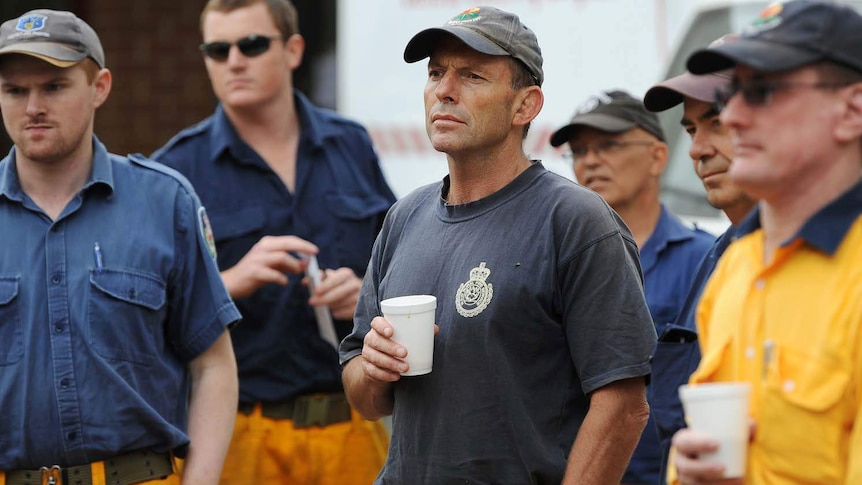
(539,302)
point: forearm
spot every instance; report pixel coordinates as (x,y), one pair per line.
(371,398)
(608,435)
(212,411)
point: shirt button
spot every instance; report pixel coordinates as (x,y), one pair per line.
(64,383)
(750,353)
(59,328)
(132,293)
(56,279)
(789,385)
(760,284)
(71,436)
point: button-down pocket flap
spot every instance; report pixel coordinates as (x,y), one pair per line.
(356,206)
(139,289)
(808,381)
(8,289)
(238,222)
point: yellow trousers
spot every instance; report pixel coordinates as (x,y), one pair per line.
(273,452)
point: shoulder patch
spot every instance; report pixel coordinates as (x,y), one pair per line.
(206,231)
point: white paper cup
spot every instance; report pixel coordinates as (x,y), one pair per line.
(720,410)
(412,319)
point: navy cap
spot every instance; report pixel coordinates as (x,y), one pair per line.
(787,36)
(487,30)
(612,112)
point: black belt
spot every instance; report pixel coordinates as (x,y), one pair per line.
(321,409)
(128,469)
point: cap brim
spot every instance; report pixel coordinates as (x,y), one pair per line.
(756,54)
(669,93)
(423,43)
(598,121)
(56,54)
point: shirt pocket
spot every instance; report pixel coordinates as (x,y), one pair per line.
(359,217)
(126,315)
(806,416)
(11,339)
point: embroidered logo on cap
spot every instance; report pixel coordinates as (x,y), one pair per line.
(769,18)
(30,25)
(593,102)
(469,15)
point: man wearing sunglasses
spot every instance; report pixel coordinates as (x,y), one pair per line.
(284,180)
(115,355)
(783,309)
(618,150)
(677,353)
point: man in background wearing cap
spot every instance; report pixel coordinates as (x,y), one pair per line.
(543,331)
(783,309)
(113,343)
(677,353)
(618,150)
(283,179)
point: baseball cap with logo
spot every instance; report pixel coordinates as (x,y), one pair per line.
(671,92)
(487,30)
(57,37)
(787,36)
(612,112)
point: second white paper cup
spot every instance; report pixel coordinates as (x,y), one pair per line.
(720,410)
(412,319)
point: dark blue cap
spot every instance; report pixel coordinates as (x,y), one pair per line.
(788,36)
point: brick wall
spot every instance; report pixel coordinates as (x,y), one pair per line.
(160,84)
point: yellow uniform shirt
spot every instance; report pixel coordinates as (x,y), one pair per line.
(793,329)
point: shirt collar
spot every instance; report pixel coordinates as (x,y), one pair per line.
(313,129)
(825,229)
(100,173)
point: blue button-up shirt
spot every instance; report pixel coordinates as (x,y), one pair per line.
(669,258)
(677,354)
(338,203)
(101,310)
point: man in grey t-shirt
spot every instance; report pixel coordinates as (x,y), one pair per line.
(544,336)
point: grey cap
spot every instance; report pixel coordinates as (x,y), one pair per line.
(57,37)
(487,30)
(612,112)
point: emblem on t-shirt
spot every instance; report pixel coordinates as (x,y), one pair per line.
(207,231)
(475,295)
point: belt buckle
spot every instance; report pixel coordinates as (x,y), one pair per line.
(52,475)
(311,410)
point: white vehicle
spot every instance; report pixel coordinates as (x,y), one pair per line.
(588,46)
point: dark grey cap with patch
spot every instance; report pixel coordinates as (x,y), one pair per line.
(611,112)
(55,36)
(487,30)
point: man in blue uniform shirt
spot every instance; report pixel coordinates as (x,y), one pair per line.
(114,354)
(618,150)
(677,353)
(283,179)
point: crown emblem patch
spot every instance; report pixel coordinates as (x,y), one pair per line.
(474,295)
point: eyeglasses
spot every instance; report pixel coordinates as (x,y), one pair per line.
(608,147)
(251,46)
(759,93)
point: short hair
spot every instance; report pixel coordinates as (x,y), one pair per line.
(91,69)
(521,78)
(282,11)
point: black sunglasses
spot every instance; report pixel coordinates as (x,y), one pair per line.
(251,46)
(759,92)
